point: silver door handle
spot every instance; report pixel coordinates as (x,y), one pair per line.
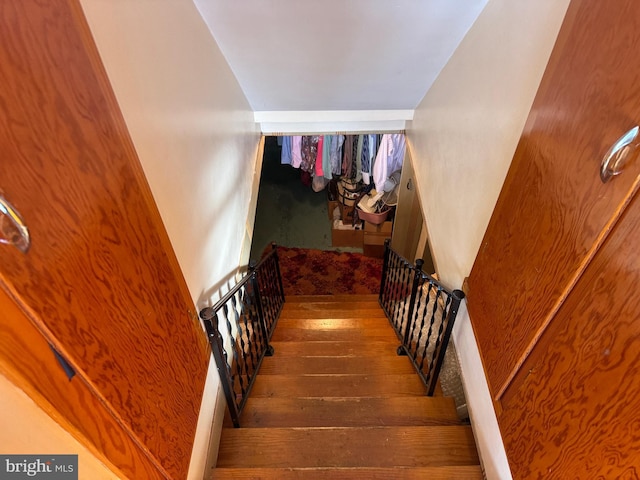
(616,158)
(14,231)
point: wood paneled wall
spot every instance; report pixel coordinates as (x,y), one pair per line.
(100,282)
(554,212)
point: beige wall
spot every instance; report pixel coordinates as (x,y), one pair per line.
(462,139)
(28,430)
(196,138)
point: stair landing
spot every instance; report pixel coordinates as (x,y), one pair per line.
(336,402)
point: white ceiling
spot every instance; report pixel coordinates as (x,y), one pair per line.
(303,55)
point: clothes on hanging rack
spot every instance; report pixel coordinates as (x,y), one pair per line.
(366,158)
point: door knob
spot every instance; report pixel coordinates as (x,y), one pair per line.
(618,155)
(12,229)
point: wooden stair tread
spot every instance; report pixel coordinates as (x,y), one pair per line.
(291,299)
(388,365)
(373,348)
(460,472)
(336,311)
(350,305)
(312,330)
(335,323)
(337,386)
(347,447)
(347,412)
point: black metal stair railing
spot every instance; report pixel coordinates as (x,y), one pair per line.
(422,312)
(239,327)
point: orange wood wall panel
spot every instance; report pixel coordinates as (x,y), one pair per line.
(573,411)
(553,210)
(72,403)
(99,281)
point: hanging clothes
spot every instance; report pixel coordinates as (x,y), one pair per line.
(336,154)
(389,159)
(287,152)
(296,151)
(347,155)
(326,156)
(309,153)
(354,158)
(368,154)
(318,168)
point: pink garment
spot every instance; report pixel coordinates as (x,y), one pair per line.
(296,151)
(319,171)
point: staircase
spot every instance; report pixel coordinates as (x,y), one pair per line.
(337,402)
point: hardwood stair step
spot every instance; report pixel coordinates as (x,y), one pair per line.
(350,305)
(335,323)
(347,412)
(460,472)
(311,330)
(389,365)
(356,334)
(338,349)
(338,386)
(334,312)
(347,447)
(291,299)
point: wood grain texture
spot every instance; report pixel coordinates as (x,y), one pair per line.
(390,365)
(99,281)
(337,386)
(464,472)
(553,211)
(348,412)
(362,473)
(336,348)
(572,411)
(348,447)
(353,329)
(320,311)
(346,306)
(70,403)
(304,299)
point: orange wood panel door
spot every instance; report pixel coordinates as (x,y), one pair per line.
(100,280)
(554,211)
(72,404)
(573,409)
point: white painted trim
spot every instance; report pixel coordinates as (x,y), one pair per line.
(332,121)
(484,422)
(319,128)
(332,116)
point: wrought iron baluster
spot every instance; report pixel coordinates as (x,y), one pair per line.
(409,306)
(247,316)
(432,321)
(453,304)
(239,359)
(401,294)
(256,291)
(417,322)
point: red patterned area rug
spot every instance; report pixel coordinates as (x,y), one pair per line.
(319,272)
